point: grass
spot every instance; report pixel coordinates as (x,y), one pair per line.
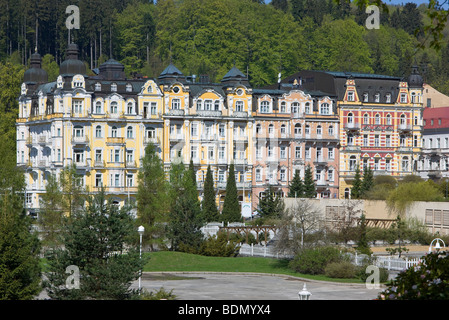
(169,261)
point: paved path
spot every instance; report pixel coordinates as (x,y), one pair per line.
(226,286)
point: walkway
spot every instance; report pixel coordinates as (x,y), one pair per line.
(237,286)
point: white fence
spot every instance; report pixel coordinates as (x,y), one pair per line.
(261,251)
(396,264)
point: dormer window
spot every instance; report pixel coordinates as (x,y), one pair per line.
(264,107)
(377,97)
(129,87)
(351,96)
(114,87)
(388,98)
(98,86)
(403,98)
(365,97)
(239,106)
(78,81)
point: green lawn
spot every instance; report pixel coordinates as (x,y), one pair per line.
(166,261)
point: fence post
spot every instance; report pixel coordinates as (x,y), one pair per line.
(389,263)
(252,250)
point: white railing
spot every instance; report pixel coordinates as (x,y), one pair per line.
(397,264)
(261,251)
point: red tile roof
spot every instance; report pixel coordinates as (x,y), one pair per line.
(440,117)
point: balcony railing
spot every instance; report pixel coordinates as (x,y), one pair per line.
(148,140)
(176,112)
(80,140)
(208,113)
(115,141)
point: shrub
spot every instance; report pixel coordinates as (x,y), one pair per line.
(342,270)
(218,246)
(314,260)
(427,281)
(161,294)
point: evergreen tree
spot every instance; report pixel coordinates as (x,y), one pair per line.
(100,242)
(271,204)
(368,181)
(209,205)
(309,184)
(231,207)
(152,196)
(362,243)
(20,274)
(356,184)
(296,186)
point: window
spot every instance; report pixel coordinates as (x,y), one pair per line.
(365,118)
(387,140)
(365,97)
(78,131)
(402,140)
(271,129)
(283,175)
(350,139)
(405,164)
(376,140)
(129,180)
(199,105)
(388,119)
(77,106)
(98,107)
(283,129)
(176,104)
(377,119)
(325,108)
(129,156)
(264,107)
(377,97)
(403,98)
(295,108)
(387,164)
(114,107)
(283,153)
(258,174)
(129,132)
(330,153)
(98,180)
(319,130)
(330,130)
(350,118)
(307,152)
(130,108)
(351,96)
(114,87)
(221,176)
(307,107)
(78,156)
(217,105)
(330,174)
(269,151)
(403,120)
(298,130)
(221,153)
(129,87)
(98,156)
(221,130)
(352,163)
(297,152)
(116,155)
(388,98)
(210,152)
(194,129)
(98,133)
(376,164)
(283,107)
(98,86)
(239,106)
(114,132)
(208,105)
(307,130)
(150,133)
(365,140)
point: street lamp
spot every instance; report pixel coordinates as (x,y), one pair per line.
(140,230)
(437,245)
(304,294)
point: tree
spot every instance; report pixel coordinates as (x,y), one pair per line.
(73,198)
(231,207)
(51,212)
(298,220)
(356,184)
(296,186)
(367,183)
(20,274)
(152,196)
(309,184)
(101,243)
(184,228)
(271,204)
(362,243)
(209,206)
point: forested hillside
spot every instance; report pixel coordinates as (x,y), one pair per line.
(209,36)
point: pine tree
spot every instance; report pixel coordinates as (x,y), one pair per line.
(209,206)
(309,184)
(231,207)
(95,242)
(271,204)
(296,186)
(152,196)
(20,274)
(357,184)
(368,181)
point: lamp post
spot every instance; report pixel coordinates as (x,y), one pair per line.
(437,245)
(141,230)
(304,294)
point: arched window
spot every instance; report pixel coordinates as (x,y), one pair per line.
(350,139)
(350,118)
(377,118)
(347,193)
(295,108)
(130,132)
(324,108)
(98,133)
(352,163)
(366,118)
(405,164)
(114,107)
(264,107)
(319,130)
(284,107)
(388,117)
(298,130)
(114,132)
(98,107)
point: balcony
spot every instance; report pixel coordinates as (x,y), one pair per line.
(320,161)
(240,139)
(115,141)
(243,185)
(353,149)
(42,139)
(404,150)
(208,113)
(176,112)
(240,114)
(148,140)
(177,137)
(80,140)
(352,126)
(405,127)
(209,137)
(29,141)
